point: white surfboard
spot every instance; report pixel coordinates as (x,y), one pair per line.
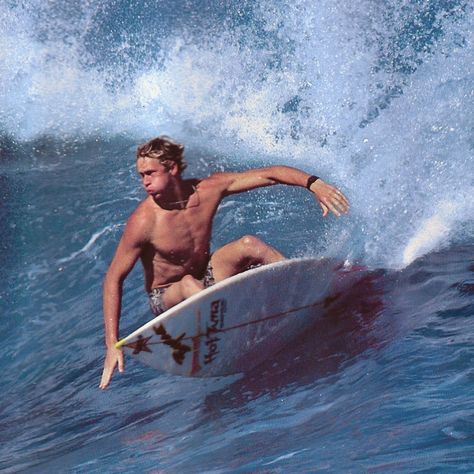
(238,323)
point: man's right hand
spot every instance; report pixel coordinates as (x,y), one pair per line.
(113,357)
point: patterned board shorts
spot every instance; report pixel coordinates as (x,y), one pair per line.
(156,294)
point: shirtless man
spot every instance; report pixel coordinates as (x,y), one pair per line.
(170,232)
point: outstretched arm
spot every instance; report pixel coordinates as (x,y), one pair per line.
(329,197)
(128,252)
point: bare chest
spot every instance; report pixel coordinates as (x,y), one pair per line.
(179,237)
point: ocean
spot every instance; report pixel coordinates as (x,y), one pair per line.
(377,97)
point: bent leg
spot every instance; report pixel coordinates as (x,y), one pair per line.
(181,290)
(242,254)
(229,260)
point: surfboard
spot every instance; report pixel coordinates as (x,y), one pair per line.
(239,322)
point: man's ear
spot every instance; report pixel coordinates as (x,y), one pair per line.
(174,170)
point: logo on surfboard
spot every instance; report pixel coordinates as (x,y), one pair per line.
(179,349)
(214,325)
(141,344)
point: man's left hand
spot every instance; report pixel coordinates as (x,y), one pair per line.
(330,198)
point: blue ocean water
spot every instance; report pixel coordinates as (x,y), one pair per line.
(377,97)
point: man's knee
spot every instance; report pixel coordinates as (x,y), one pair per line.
(255,251)
(251,242)
(181,290)
(190,286)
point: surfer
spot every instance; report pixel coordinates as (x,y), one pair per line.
(170,232)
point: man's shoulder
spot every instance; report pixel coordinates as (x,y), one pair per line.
(143,210)
(141,220)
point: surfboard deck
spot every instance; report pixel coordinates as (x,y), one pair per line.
(236,324)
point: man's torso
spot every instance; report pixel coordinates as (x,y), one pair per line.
(178,239)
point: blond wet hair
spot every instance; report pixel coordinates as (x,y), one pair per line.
(164,149)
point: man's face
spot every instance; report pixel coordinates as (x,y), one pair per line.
(155,177)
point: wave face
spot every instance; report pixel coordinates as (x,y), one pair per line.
(376,97)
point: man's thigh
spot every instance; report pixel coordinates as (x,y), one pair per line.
(242,254)
(226,261)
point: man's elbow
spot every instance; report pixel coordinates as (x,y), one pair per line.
(113,280)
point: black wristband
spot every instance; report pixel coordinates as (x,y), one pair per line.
(311,180)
